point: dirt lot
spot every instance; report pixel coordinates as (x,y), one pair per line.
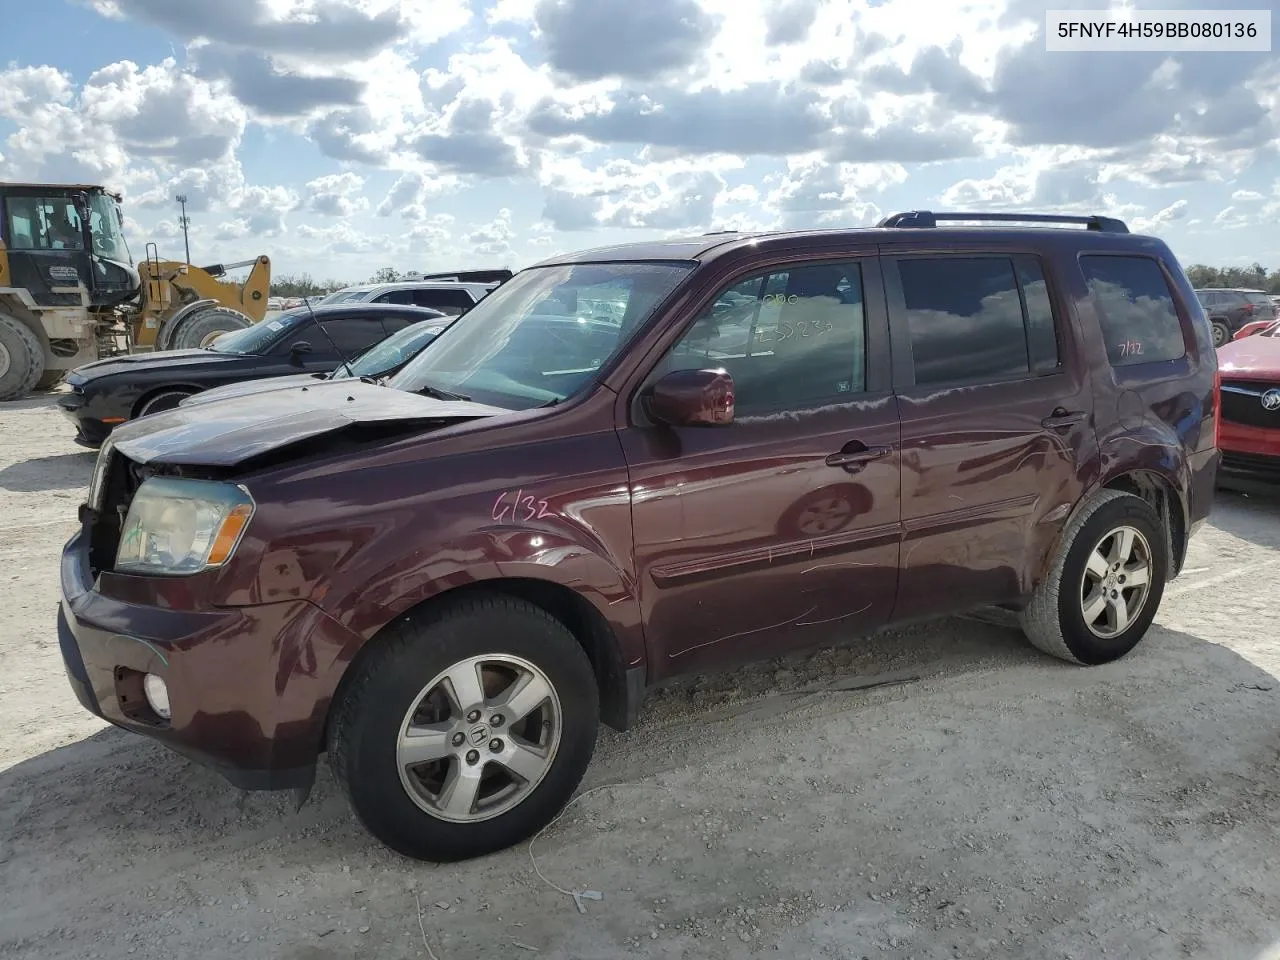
(1004,805)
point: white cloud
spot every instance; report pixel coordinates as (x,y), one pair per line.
(695,114)
(336,195)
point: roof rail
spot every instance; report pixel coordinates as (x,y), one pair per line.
(927,218)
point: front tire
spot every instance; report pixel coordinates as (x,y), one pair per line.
(467,730)
(1100,596)
(21,359)
(1221,333)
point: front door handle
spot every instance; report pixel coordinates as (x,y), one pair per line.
(1063,418)
(855,460)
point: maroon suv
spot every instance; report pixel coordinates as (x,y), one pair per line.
(635,462)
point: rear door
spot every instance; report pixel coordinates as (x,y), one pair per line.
(781,529)
(996,423)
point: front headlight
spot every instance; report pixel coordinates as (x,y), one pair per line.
(178,526)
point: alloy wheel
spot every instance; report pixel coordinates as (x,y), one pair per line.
(479,738)
(1116,582)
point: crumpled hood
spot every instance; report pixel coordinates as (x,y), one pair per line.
(158,359)
(240,428)
(246,387)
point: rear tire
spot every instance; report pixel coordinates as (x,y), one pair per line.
(1221,333)
(1087,609)
(203,327)
(21,359)
(404,688)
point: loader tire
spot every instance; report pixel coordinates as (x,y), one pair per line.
(21,359)
(203,327)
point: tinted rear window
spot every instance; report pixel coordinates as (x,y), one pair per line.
(967,321)
(1135,308)
(1257,298)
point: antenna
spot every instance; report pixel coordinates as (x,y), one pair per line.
(336,349)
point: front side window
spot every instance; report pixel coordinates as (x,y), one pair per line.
(791,339)
(966,319)
(527,344)
(452,302)
(1135,309)
(44,223)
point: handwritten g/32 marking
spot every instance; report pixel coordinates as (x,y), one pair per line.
(519,507)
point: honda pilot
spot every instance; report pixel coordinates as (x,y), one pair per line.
(632,463)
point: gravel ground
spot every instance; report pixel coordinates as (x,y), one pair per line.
(1003,805)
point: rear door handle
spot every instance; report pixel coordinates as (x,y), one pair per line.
(1063,418)
(854,460)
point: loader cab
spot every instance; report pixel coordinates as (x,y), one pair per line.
(57,238)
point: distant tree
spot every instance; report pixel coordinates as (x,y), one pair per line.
(1254,276)
(385,275)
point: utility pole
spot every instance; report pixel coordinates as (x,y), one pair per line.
(186,222)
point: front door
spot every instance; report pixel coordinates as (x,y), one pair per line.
(995,425)
(781,529)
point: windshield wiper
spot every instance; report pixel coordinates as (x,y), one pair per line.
(439,394)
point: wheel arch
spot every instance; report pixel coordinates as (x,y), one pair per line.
(1151,466)
(621,686)
(152,393)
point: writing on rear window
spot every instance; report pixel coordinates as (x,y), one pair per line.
(1135,308)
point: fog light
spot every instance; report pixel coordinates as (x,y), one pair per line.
(157,694)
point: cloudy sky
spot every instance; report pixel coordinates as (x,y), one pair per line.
(339,136)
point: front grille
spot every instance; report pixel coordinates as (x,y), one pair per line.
(1259,464)
(1242,403)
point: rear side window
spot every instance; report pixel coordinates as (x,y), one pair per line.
(453,302)
(1135,308)
(1257,298)
(975,319)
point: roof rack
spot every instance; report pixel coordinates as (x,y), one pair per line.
(927,218)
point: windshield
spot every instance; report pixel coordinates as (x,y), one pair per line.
(104,225)
(543,334)
(259,337)
(393,352)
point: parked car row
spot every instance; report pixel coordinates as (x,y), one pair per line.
(1231,310)
(628,464)
(99,396)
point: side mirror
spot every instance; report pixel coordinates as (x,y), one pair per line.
(692,398)
(297,351)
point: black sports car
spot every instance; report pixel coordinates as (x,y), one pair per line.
(100,395)
(377,363)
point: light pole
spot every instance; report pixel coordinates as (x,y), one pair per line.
(185,221)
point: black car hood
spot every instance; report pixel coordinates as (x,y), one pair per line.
(237,429)
(155,360)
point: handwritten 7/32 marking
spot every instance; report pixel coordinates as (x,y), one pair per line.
(1131,348)
(519,507)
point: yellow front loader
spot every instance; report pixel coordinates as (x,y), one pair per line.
(70,292)
(187,306)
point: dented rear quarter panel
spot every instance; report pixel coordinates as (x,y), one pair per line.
(1153,418)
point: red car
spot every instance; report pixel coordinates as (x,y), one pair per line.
(1249,372)
(1254,326)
